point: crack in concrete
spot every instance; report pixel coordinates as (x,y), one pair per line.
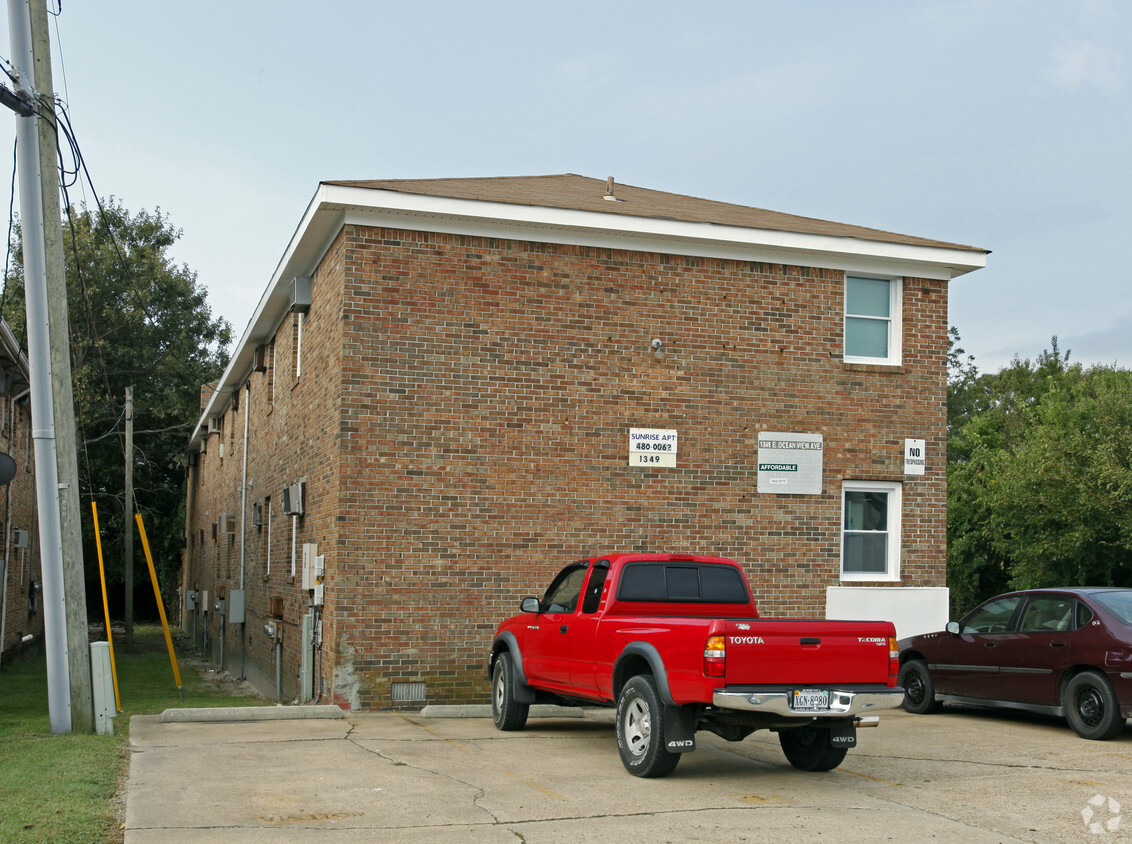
(479,794)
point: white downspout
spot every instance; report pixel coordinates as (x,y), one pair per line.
(243,524)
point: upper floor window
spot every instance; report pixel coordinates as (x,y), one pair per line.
(872,320)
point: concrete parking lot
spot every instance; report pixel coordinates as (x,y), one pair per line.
(967,775)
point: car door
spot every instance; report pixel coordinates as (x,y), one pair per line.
(546,656)
(967,663)
(582,632)
(1032,658)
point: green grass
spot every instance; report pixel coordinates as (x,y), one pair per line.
(64,787)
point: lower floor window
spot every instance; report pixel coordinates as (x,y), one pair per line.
(870,535)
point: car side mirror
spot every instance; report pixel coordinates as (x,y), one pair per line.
(953,628)
(530,605)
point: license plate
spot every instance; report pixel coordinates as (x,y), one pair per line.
(809,700)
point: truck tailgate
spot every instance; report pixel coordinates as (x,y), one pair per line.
(807,652)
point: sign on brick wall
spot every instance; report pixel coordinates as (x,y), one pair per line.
(790,464)
(915,458)
(653,447)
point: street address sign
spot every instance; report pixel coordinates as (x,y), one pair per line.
(653,447)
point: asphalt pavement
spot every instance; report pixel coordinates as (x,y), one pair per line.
(333,776)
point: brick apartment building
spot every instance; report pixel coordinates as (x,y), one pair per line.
(451,388)
(21,607)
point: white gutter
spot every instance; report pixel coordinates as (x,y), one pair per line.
(334,206)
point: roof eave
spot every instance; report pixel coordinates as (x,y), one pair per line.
(333,206)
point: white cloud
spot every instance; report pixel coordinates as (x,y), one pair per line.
(1084,64)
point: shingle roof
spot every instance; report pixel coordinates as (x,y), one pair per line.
(581,193)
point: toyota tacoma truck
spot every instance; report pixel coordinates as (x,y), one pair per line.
(676,643)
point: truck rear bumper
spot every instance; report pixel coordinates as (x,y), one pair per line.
(843,702)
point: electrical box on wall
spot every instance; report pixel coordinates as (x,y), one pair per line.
(204,600)
(317,595)
(300,293)
(293,503)
(191,600)
(236,611)
(310,554)
(21,538)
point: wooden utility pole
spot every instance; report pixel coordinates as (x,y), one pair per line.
(66,438)
(49,358)
(128,563)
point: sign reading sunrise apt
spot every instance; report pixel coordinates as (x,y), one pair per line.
(654,447)
(790,464)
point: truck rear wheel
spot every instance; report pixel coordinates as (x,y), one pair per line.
(809,748)
(640,730)
(506,712)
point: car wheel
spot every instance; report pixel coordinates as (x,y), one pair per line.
(640,730)
(809,748)
(1091,707)
(919,690)
(506,712)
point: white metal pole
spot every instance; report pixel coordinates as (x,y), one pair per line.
(39,366)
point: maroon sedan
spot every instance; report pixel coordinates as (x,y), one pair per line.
(1064,652)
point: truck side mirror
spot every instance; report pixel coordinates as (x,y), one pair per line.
(953,628)
(529,605)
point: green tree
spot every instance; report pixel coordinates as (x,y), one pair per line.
(136,319)
(1038,476)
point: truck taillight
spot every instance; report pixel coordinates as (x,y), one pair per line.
(893,657)
(715,657)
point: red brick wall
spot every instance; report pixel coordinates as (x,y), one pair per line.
(17,502)
(465,433)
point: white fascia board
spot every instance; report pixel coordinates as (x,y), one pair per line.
(305,249)
(333,206)
(561,225)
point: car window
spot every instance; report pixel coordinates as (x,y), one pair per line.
(562,596)
(1084,615)
(992,617)
(594,587)
(1117,602)
(1047,614)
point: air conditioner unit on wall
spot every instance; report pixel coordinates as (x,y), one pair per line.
(21,538)
(214,425)
(227,523)
(294,499)
(257,514)
(260,364)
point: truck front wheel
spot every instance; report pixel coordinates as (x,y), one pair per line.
(506,712)
(809,748)
(640,730)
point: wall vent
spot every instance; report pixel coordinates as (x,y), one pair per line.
(409,692)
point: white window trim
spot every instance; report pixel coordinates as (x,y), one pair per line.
(895,519)
(895,321)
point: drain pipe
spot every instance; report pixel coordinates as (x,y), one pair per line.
(243,524)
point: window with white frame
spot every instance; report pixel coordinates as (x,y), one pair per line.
(870,530)
(872,320)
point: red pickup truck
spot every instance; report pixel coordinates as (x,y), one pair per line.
(675,641)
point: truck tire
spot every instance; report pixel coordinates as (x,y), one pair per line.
(506,712)
(809,748)
(919,690)
(1091,707)
(640,730)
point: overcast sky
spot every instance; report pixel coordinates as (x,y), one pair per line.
(1003,124)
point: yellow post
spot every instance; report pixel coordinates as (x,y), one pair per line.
(160,603)
(106,607)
